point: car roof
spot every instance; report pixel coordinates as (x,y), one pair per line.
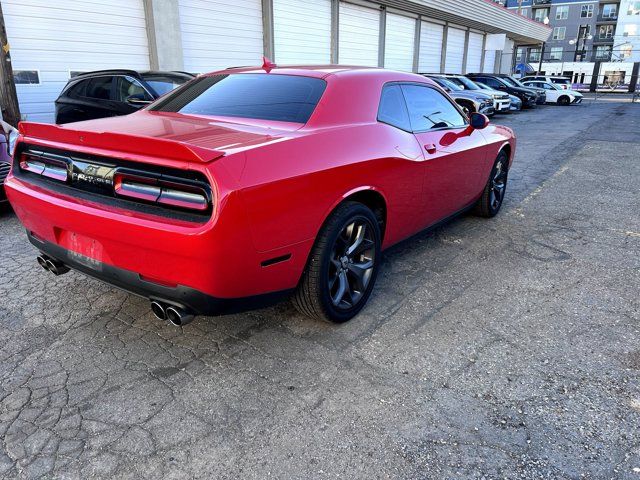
(133,73)
(323,71)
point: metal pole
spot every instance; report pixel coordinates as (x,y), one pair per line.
(541,57)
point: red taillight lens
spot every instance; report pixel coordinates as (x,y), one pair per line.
(171,193)
(45,165)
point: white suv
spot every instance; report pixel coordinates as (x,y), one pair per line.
(563,82)
(555,94)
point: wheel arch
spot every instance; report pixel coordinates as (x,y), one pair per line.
(369,196)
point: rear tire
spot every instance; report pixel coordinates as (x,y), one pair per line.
(493,194)
(342,267)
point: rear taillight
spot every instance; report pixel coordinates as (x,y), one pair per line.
(162,188)
(170,192)
(46,165)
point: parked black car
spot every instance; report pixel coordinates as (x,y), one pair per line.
(109,93)
(8,137)
(529,97)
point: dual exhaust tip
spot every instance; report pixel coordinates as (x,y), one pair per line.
(176,315)
(52,265)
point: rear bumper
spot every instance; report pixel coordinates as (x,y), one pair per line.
(155,256)
(193,300)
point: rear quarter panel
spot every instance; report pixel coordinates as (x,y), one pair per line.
(291,187)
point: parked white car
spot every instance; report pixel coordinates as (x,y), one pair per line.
(555,93)
(562,82)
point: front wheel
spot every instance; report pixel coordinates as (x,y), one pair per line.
(564,101)
(493,193)
(342,266)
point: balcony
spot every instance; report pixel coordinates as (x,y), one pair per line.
(607,19)
(602,40)
(540,3)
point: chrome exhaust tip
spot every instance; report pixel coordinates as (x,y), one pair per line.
(42,262)
(179,317)
(158,310)
(56,267)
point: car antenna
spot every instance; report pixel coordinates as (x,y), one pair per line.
(267,65)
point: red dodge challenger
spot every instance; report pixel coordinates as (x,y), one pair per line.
(250,183)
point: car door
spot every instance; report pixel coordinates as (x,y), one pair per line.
(97,100)
(454,153)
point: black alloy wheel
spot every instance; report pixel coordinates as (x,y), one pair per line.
(343,265)
(494,191)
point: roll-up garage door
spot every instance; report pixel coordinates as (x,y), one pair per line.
(296,38)
(51,40)
(489,61)
(455,50)
(359,29)
(400,35)
(474,52)
(430,47)
(220,33)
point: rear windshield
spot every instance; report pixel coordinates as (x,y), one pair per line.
(162,84)
(285,98)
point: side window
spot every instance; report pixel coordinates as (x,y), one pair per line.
(393,109)
(130,87)
(99,88)
(429,109)
(492,82)
(78,89)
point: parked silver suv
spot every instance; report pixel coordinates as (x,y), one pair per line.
(501,100)
(469,101)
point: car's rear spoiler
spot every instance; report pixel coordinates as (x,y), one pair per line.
(62,136)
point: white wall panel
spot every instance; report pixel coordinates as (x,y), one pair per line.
(57,37)
(474,52)
(431,35)
(302,31)
(359,30)
(455,50)
(400,34)
(218,34)
(489,61)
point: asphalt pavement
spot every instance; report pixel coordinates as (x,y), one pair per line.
(502,348)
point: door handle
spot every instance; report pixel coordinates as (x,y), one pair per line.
(430,148)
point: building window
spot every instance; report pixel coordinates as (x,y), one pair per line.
(634,8)
(562,12)
(534,55)
(555,53)
(586,11)
(603,52)
(26,77)
(605,31)
(520,54)
(610,10)
(559,33)
(540,14)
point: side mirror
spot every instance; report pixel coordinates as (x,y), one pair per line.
(479,121)
(137,101)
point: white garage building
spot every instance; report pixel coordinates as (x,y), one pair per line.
(51,41)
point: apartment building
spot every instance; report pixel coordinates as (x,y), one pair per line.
(583,30)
